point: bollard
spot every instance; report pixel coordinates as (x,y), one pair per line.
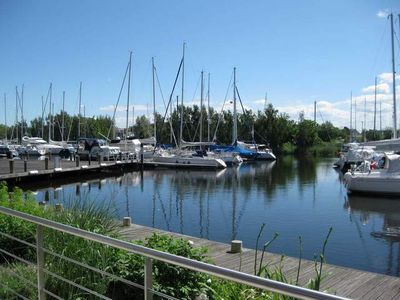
(141,156)
(126,221)
(236,246)
(46,163)
(11,162)
(77,160)
(25,165)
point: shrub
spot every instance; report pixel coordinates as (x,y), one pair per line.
(26,286)
(169,279)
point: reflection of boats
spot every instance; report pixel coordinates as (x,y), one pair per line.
(384,181)
(388,208)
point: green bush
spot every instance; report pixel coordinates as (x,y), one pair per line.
(169,279)
(26,287)
(16,227)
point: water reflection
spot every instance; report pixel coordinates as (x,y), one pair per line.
(389,231)
(292,196)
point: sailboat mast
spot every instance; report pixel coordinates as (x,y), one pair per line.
(394,81)
(63,118)
(16,111)
(351,116)
(201,106)
(42,123)
(127,102)
(315,111)
(234,138)
(355,116)
(51,91)
(183,81)
(208,109)
(22,111)
(375,108)
(154,101)
(365,119)
(79,110)
(5,115)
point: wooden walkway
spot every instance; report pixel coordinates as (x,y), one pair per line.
(337,280)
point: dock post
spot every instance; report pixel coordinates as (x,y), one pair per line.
(77,160)
(46,163)
(89,159)
(99,159)
(236,246)
(141,156)
(126,221)
(25,165)
(11,162)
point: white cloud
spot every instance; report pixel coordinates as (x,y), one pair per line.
(387,77)
(382,87)
(122,108)
(383,13)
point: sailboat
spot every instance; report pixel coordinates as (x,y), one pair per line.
(368,179)
(181,158)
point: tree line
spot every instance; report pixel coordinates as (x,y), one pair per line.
(268,126)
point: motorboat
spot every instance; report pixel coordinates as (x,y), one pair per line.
(133,146)
(382,181)
(92,148)
(354,154)
(41,145)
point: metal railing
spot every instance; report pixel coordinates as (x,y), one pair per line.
(149,254)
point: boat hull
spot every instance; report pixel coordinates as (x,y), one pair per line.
(373,183)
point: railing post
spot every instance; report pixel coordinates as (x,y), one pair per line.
(148,279)
(40,262)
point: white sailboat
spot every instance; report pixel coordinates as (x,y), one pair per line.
(181,158)
(384,181)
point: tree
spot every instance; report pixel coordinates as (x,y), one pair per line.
(307,133)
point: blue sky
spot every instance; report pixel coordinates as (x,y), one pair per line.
(297,51)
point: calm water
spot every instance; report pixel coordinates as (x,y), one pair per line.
(292,197)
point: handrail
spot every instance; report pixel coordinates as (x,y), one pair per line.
(251,280)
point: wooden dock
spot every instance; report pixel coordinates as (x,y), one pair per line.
(20,171)
(337,280)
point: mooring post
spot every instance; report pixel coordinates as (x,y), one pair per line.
(46,163)
(126,221)
(77,160)
(89,159)
(99,159)
(25,165)
(236,246)
(141,156)
(11,162)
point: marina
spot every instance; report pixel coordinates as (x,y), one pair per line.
(266,134)
(293,197)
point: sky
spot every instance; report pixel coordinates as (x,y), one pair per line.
(296,51)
